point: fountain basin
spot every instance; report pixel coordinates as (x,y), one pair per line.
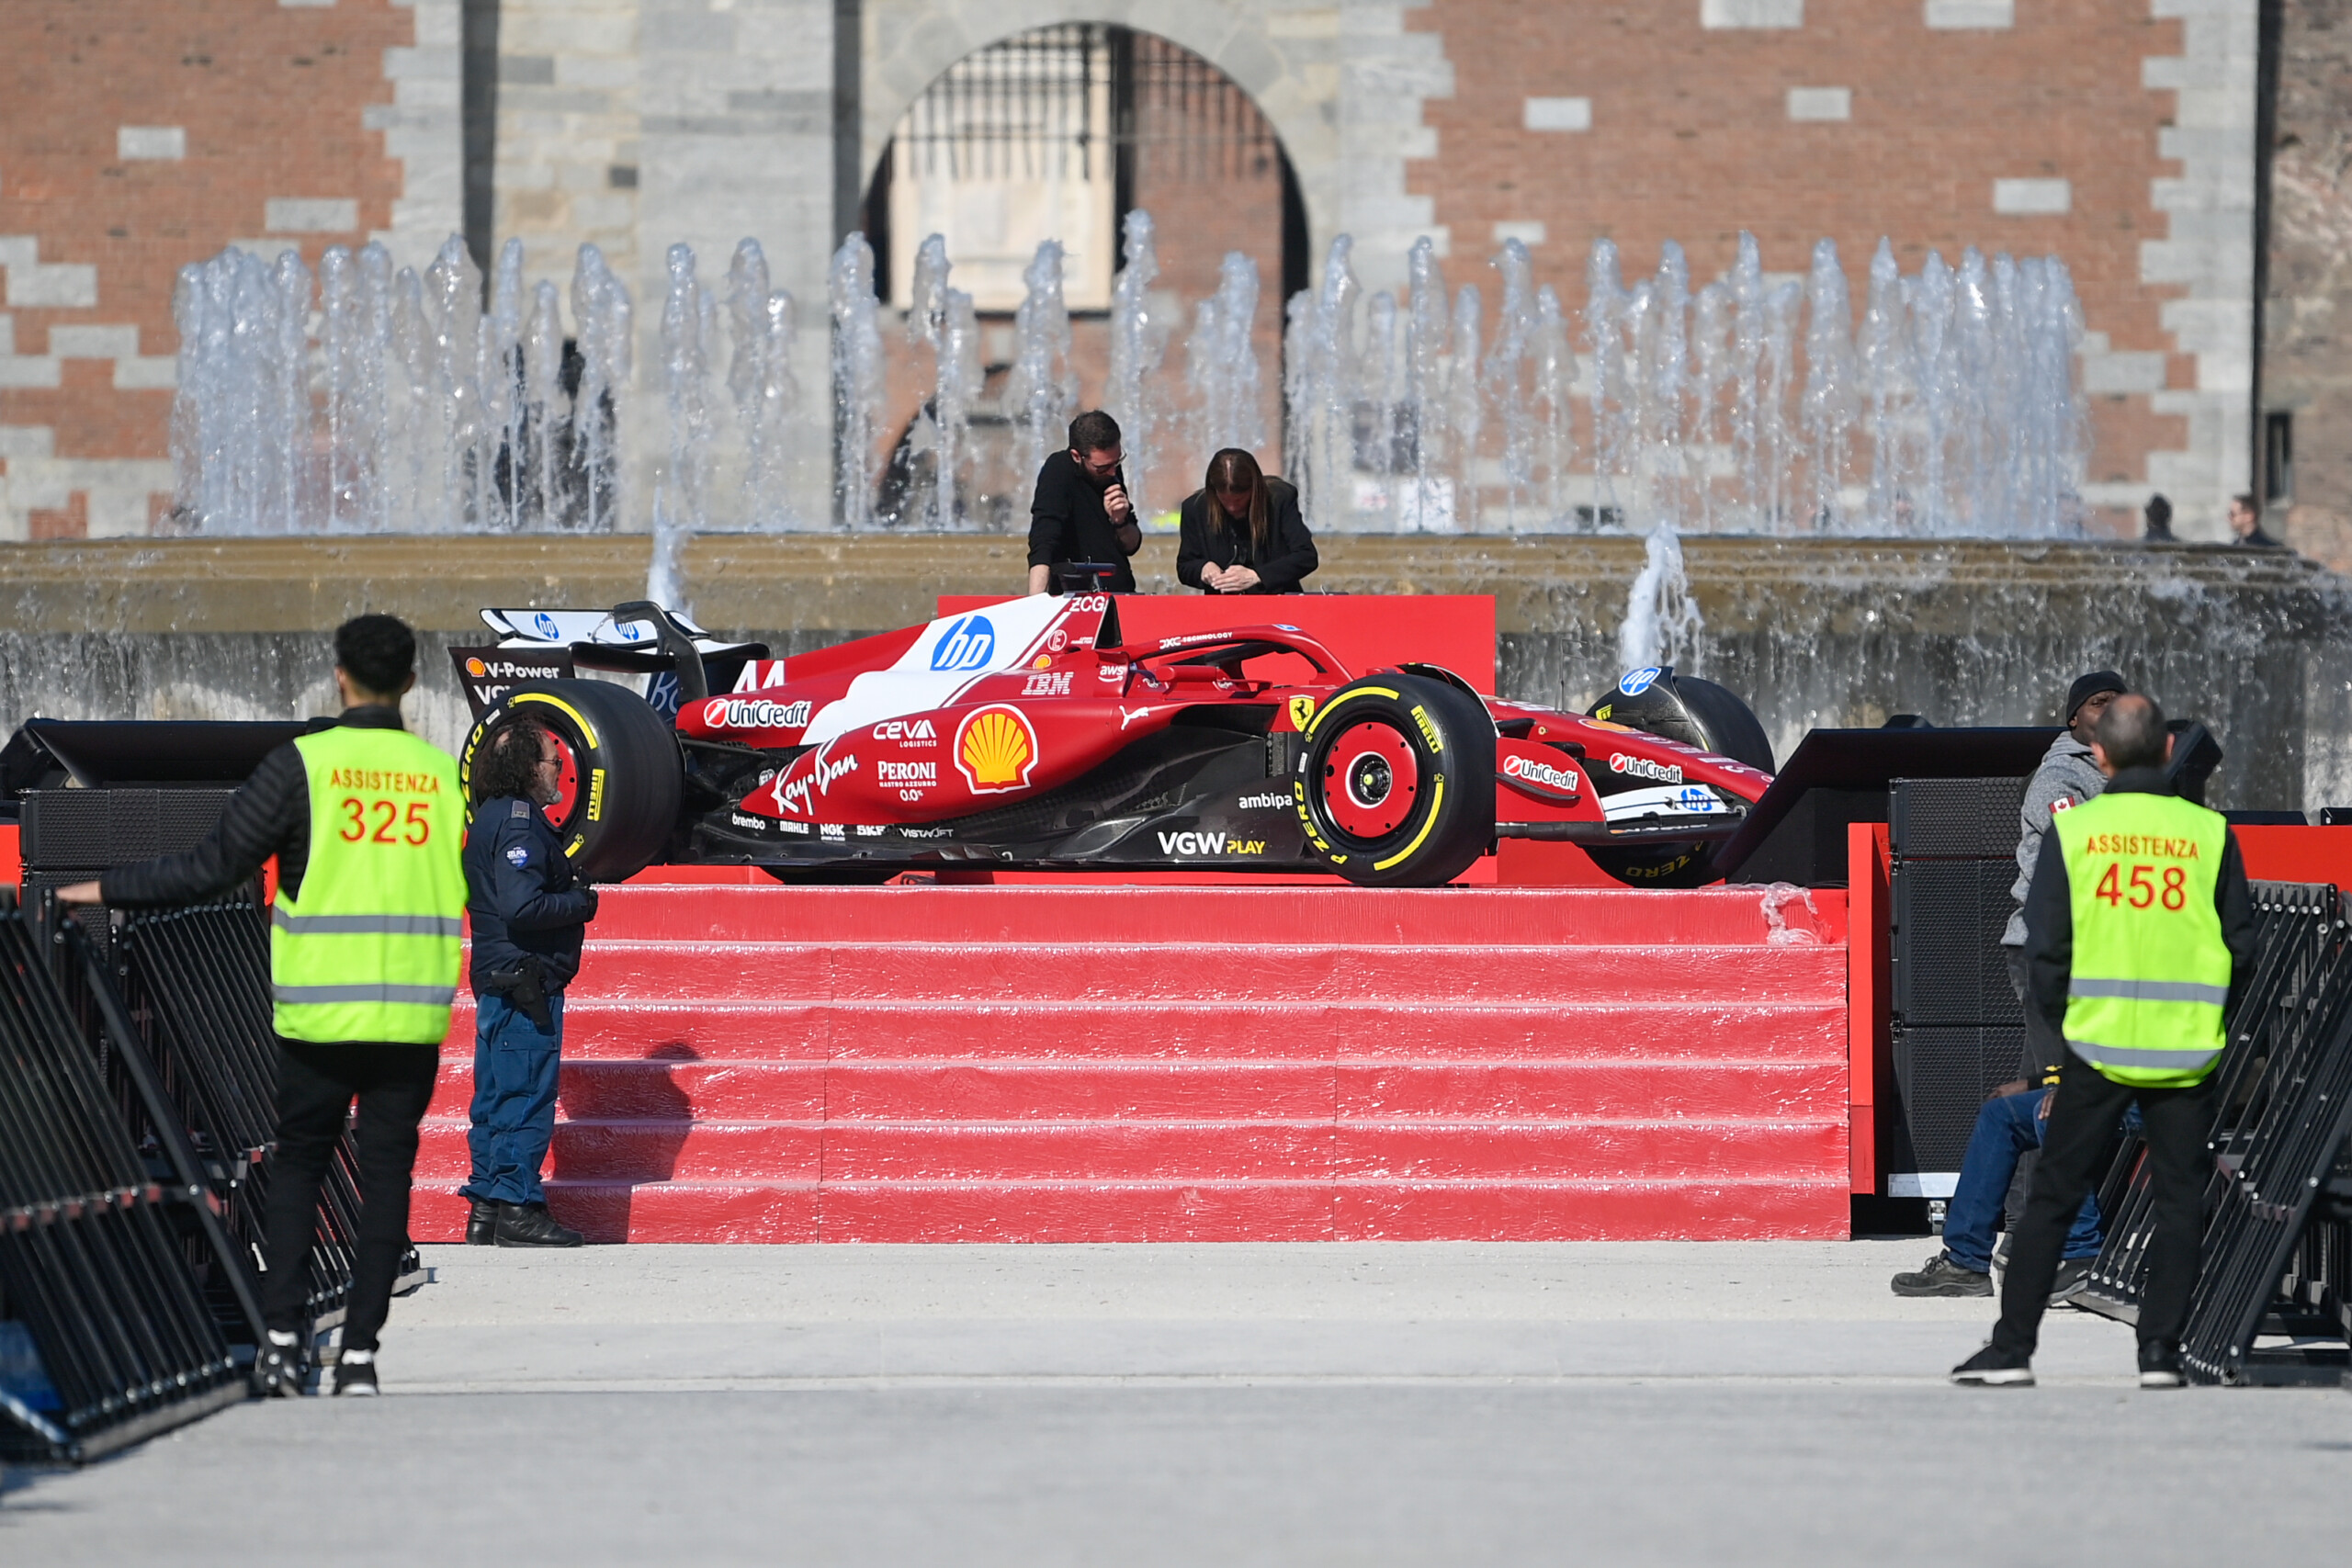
(1813,632)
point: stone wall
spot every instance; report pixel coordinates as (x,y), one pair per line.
(2118,135)
(1813,633)
(2306,361)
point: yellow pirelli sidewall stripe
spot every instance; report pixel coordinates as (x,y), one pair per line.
(2151,972)
(1349,695)
(367,948)
(1437,804)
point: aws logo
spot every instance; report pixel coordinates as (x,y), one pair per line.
(995,749)
(966,645)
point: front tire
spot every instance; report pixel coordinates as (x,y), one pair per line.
(1397,785)
(622,772)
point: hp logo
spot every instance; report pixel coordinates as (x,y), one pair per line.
(966,645)
(544,624)
(1640,681)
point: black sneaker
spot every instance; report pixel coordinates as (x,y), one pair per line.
(2074,1277)
(481,1222)
(1994,1369)
(2160,1365)
(530,1224)
(281,1365)
(355,1376)
(1942,1276)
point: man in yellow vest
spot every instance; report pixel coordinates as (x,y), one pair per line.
(368,826)
(2139,938)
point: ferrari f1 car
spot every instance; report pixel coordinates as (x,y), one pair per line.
(1032,735)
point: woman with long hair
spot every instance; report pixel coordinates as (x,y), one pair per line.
(1242,532)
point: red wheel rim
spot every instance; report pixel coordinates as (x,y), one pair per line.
(1371,779)
(568,788)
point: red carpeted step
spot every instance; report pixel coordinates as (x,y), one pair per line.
(1214,916)
(650,1151)
(739,1211)
(1143,974)
(1601,1028)
(1094,1062)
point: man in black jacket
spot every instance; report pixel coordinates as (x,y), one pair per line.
(381,1047)
(2110,1065)
(529,914)
(1081,512)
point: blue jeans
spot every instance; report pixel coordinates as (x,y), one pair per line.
(514,1110)
(2006,1128)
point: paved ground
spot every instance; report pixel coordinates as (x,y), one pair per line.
(1601,1403)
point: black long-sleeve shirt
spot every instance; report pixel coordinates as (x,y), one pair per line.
(2050,913)
(269,815)
(1067,523)
(1288,557)
(521,893)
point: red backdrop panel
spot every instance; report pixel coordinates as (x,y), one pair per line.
(1364,631)
(2287,853)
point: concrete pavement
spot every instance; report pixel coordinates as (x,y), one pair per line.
(1440,1404)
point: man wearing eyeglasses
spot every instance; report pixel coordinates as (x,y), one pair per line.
(1081,512)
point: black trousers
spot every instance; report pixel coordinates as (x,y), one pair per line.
(2084,1114)
(316,1084)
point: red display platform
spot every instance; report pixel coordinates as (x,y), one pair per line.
(1099,1064)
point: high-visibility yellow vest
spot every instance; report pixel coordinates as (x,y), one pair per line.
(368,949)
(2151,971)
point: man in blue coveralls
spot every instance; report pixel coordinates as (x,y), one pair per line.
(530,915)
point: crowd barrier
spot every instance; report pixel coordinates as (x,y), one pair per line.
(137,1108)
(2274,1260)
(196,982)
(94,1233)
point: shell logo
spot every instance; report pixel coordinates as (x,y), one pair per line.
(477,669)
(995,750)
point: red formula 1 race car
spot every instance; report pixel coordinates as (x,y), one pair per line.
(1032,735)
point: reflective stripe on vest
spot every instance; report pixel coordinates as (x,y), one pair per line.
(2151,971)
(368,949)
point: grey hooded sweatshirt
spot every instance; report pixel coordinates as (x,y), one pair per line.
(2066,778)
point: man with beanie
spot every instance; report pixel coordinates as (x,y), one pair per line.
(2140,938)
(529,914)
(2010,1127)
(366,822)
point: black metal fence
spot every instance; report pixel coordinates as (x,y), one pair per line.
(196,983)
(94,1231)
(2274,1255)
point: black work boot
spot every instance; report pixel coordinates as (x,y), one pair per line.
(281,1365)
(1942,1276)
(481,1222)
(530,1224)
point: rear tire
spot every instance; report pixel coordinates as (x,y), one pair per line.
(1727,726)
(626,760)
(1397,785)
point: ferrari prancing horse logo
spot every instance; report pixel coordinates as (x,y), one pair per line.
(1302,710)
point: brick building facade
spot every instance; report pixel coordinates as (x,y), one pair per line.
(2119,134)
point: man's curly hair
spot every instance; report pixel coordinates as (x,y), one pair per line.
(509,761)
